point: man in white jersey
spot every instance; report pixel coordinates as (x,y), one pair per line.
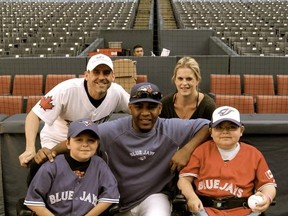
(138,149)
(95,97)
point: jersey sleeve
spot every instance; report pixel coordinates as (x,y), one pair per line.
(50,106)
(264,175)
(109,187)
(185,130)
(39,186)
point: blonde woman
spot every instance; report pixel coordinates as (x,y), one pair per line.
(187,102)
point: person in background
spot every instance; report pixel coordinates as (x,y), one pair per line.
(95,96)
(139,148)
(78,182)
(222,173)
(187,102)
(138,51)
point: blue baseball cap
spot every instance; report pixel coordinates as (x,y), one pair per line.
(78,126)
(145,92)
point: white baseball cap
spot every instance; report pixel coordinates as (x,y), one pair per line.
(99,59)
(225,113)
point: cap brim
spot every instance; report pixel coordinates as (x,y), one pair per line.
(150,100)
(76,133)
(101,64)
(222,120)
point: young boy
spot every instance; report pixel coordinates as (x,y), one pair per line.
(78,182)
(225,172)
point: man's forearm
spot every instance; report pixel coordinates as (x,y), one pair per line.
(182,156)
(60,148)
(32,124)
(45,154)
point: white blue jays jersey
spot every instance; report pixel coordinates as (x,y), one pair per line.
(68,101)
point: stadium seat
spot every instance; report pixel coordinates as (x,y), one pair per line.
(244,103)
(225,84)
(11,105)
(31,101)
(27,85)
(5,84)
(53,79)
(258,85)
(242,50)
(282,84)
(272,103)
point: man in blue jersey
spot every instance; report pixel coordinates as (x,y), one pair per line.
(139,149)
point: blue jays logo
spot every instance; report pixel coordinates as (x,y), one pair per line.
(146,88)
(86,122)
(225,112)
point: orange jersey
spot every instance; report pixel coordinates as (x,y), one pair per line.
(239,177)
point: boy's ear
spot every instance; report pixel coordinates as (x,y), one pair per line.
(242,129)
(68,143)
(98,151)
(210,130)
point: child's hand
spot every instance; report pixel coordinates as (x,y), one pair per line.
(262,206)
(195,205)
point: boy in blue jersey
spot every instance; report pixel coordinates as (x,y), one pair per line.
(78,182)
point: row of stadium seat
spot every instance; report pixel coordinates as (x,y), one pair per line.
(249,21)
(65,27)
(39,84)
(256,96)
(10,105)
(26,85)
(252,84)
(65,22)
(246,104)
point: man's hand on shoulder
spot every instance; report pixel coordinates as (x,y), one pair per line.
(44,154)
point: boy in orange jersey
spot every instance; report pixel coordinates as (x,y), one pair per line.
(225,171)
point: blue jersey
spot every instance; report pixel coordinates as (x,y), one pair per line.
(140,161)
(58,188)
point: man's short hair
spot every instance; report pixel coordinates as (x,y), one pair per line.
(137,46)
